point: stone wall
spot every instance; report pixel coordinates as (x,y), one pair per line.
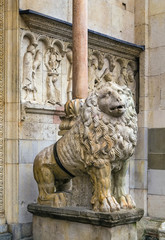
(138,172)
(156,111)
(149,190)
(115,18)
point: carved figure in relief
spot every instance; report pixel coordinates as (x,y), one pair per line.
(99,144)
(127,78)
(93,79)
(53,64)
(31,62)
(69,77)
(131,83)
(123,78)
(107,75)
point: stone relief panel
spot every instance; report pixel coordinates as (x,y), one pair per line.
(53,58)
(46,71)
(31,63)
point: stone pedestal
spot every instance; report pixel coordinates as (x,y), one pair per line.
(73,223)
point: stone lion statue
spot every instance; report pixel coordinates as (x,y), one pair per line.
(99,144)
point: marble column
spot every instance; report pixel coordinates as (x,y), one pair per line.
(80,50)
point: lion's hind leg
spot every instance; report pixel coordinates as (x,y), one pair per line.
(47,196)
(102,200)
(64,185)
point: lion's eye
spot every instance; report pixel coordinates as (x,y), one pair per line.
(119,91)
(104,95)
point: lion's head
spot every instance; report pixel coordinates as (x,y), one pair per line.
(109,124)
(112,100)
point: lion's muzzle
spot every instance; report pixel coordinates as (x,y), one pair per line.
(118,110)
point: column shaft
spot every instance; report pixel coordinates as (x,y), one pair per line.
(80,50)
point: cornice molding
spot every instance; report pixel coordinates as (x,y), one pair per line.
(40,109)
(53,27)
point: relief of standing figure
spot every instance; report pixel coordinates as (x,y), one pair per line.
(31,62)
(93,79)
(69,77)
(123,78)
(53,64)
(132,83)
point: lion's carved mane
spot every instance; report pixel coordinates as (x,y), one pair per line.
(107,137)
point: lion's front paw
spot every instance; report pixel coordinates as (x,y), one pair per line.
(127,202)
(109,204)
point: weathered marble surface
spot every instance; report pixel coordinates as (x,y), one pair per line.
(80,223)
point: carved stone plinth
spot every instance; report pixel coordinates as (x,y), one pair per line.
(81,224)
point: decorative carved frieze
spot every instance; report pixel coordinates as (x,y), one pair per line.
(46,57)
(44,67)
(46,70)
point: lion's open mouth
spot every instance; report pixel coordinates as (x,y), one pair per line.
(119,107)
(117,110)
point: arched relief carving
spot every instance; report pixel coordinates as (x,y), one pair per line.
(31,62)
(44,39)
(60,46)
(46,70)
(31,36)
(41,70)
